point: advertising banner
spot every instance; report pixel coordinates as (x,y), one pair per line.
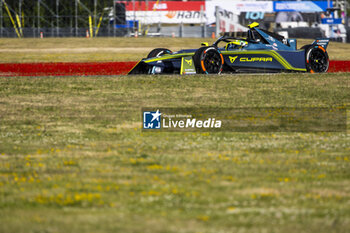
(163,6)
(260,17)
(301,6)
(229,22)
(331,21)
(170,12)
(197,12)
(167,17)
(236,7)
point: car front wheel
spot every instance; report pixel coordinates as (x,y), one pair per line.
(208,60)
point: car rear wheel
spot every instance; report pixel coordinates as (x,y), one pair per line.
(158,52)
(317,60)
(208,60)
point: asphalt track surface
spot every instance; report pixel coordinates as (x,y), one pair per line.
(98,68)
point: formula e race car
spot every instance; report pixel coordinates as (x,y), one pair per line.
(261,51)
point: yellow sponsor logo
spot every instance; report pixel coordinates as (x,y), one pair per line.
(255,59)
(251,59)
(233,59)
(189,62)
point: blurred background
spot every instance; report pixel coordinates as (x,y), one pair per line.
(172,18)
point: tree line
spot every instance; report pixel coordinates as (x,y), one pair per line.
(27,11)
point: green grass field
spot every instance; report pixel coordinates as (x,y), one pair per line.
(112,49)
(73,157)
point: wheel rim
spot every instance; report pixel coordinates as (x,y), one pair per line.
(212,62)
(318,61)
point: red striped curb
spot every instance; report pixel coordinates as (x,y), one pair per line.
(98,68)
(65,69)
(339,66)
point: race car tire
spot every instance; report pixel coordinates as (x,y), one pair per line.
(317,60)
(158,52)
(208,60)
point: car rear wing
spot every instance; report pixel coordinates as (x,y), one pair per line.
(323,42)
